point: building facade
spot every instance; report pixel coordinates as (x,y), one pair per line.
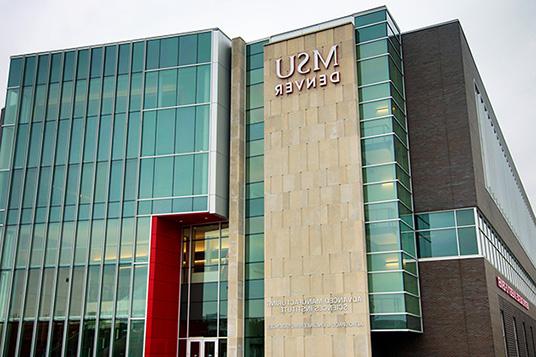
(338,190)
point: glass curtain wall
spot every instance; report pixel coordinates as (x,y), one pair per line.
(203,309)
(75,194)
(392,269)
(254,279)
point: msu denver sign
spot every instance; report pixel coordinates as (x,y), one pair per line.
(307,65)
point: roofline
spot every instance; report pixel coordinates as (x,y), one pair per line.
(158,37)
(432,26)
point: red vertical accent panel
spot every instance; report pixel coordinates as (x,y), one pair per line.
(164,288)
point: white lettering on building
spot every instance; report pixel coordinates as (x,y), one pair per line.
(300,63)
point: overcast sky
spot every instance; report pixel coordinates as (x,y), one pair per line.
(501,34)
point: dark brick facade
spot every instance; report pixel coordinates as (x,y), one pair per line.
(461,303)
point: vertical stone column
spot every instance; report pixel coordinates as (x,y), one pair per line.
(316,295)
(237,166)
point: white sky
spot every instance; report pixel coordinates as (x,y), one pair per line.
(501,34)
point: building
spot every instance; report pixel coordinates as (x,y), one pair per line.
(337,190)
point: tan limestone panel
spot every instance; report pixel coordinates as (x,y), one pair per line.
(316,301)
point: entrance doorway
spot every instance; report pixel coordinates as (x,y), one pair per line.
(202,347)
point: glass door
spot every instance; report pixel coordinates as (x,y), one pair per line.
(202,347)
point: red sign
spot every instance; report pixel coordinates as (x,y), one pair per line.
(503,285)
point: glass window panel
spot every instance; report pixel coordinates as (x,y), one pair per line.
(255,169)
(142,238)
(136,338)
(110,54)
(108,90)
(15,72)
(23,250)
(255,225)
(201,127)
(58,185)
(385,282)
(370,18)
(255,190)
(62,290)
(30,188)
(95,85)
(438,243)
(139,291)
(124,58)
(38,245)
(82,241)
(255,96)
(6,145)
(382,262)
(88,338)
(11,106)
(118,148)
(83,68)
(120,338)
(374,109)
(165,126)
(113,232)
(465,217)
(387,303)
(167,88)
(187,49)
(151,84)
(137,56)
(76,141)
(373,70)
(66,100)
(73,333)
(97,240)
(203,84)
(67,243)
(68,66)
(122,94)
(29,71)
(123,291)
(254,289)
(22,145)
(46,292)
(101,181)
(131,171)
(26,338)
(133,137)
(255,61)
(55,69)
(62,142)
(183,177)
(80,99)
(169,50)
(372,49)
(185,129)
(371,32)
(381,211)
(108,289)
(467,241)
(379,173)
(148,140)
(53,101)
(200,174)
(103,152)
(203,319)
(435,220)
(136,87)
(26,105)
(39,103)
(255,76)
(92,291)
(377,91)
(75,309)
(96,62)
(255,115)
(163,170)
(203,47)
(17,292)
(153,54)
(146,178)
(378,150)
(255,270)
(187,85)
(380,192)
